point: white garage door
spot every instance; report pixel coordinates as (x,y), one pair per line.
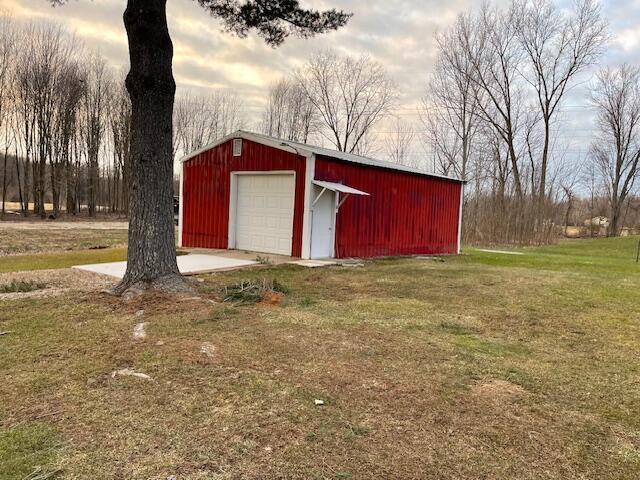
(264,213)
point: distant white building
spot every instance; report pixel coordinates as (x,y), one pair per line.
(599,221)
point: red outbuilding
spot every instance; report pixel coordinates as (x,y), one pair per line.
(253,192)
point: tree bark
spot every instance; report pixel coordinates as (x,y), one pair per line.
(18,177)
(151,259)
(614,218)
(40,185)
(68,176)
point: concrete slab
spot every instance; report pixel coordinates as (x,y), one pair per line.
(501,252)
(313,263)
(187,264)
(273,259)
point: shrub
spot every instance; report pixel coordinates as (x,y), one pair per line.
(263,260)
(247,292)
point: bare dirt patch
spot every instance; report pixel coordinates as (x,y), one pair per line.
(497,391)
(64,225)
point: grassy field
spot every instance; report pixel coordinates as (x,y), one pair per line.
(43,261)
(480,366)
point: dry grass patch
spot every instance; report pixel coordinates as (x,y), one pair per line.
(497,391)
(46,283)
(16,240)
(21,286)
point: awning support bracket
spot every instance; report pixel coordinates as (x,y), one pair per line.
(342,200)
(318,197)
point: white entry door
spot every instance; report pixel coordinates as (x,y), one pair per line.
(322,224)
(264,212)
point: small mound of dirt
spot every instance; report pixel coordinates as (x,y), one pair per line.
(498,391)
(272,298)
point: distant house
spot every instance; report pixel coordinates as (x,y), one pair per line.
(599,221)
(253,192)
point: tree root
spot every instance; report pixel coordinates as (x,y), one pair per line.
(171,283)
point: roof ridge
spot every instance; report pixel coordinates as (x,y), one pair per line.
(277,142)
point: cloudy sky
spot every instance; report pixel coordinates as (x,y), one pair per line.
(398,33)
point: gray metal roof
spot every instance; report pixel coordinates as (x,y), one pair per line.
(308,150)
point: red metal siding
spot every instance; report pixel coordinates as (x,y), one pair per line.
(206,190)
(406,214)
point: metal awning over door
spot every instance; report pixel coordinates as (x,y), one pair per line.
(337,187)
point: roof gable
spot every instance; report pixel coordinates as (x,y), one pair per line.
(309,150)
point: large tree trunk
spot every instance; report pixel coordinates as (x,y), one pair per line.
(614,218)
(151,259)
(125,187)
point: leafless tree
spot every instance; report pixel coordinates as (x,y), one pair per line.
(450,105)
(500,78)
(444,145)
(201,119)
(350,94)
(477,107)
(26,109)
(568,178)
(69,92)
(7,59)
(40,80)
(64,169)
(9,139)
(99,86)
(495,59)
(274,118)
(120,122)
(51,53)
(616,150)
(7,105)
(558,47)
(399,142)
(289,114)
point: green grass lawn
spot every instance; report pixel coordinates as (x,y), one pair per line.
(43,261)
(50,247)
(480,366)
(607,257)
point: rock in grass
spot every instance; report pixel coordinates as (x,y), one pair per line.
(318,403)
(139,332)
(208,349)
(129,372)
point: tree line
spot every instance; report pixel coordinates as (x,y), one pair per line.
(491,114)
(65,123)
(59,105)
